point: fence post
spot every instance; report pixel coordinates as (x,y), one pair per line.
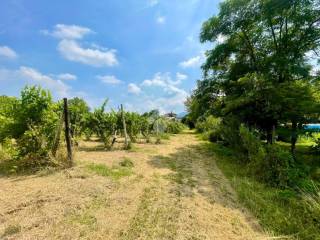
(124,129)
(67,131)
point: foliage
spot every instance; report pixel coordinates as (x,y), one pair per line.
(103,124)
(316,148)
(208,124)
(283,212)
(78,113)
(259,72)
(31,121)
(175,127)
(270,163)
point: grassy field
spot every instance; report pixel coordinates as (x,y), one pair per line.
(283,212)
(172,190)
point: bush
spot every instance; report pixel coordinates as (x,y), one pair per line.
(175,127)
(208,124)
(269,163)
(229,133)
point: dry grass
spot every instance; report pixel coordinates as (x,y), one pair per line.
(172,191)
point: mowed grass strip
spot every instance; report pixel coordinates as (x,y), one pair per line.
(156,215)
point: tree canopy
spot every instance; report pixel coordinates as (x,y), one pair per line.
(258,69)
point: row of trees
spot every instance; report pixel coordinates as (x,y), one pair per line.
(261,71)
(30,126)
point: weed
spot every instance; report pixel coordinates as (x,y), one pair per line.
(126,162)
(115,172)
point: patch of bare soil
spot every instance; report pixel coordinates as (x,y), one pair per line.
(175,191)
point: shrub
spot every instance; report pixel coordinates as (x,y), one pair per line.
(207,124)
(269,163)
(229,133)
(316,147)
(175,127)
(252,147)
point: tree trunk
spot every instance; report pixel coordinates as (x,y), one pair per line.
(67,131)
(271,133)
(294,137)
(126,142)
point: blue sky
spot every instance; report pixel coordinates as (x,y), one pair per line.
(142,53)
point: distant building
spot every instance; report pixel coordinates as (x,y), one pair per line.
(171,115)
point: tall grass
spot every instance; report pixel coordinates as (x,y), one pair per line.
(280,211)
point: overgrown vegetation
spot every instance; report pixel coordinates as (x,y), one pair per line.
(31,127)
(257,93)
(285,212)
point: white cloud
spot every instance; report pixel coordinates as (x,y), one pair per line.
(192,62)
(134,89)
(72,50)
(8,52)
(180,77)
(56,86)
(161,20)
(67,76)
(174,96)
(70,46)
(165,81)
(109,79)
(63,31)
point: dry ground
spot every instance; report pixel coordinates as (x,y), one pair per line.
(174,191)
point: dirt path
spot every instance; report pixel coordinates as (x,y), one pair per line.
(174,191)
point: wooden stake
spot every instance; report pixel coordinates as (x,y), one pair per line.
(67,131)
(126,143)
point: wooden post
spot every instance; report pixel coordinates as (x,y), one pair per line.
(157,128)
(67,131)
(126,143)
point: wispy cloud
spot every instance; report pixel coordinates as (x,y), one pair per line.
(134,89)
(57,86)
(109,79)
(192,62)
(63,31)
(7,52)
(67,76)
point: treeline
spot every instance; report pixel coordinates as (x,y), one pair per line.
(259,85)
(31,128)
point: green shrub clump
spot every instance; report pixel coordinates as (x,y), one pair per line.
(270,163)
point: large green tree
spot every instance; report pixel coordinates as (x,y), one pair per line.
(259,60)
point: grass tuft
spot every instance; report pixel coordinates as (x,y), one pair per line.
(115,172)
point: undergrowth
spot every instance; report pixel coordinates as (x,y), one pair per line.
(281,211)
